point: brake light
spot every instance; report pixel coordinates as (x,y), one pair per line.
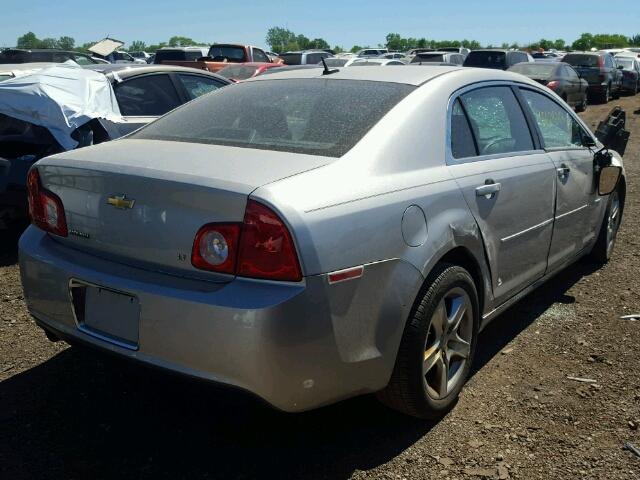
(45,207)
(266,247)
(553,84)
(260,247)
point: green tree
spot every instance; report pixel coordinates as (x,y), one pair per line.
(49,43)
(559,44)
(28,40)
(66,43)
(137,46)
(279,39)
(635,40)
(338,49)
(319,43)
(356,49)
(178,41)
(585,42)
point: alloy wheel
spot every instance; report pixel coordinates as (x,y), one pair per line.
(613,222)
(448,344)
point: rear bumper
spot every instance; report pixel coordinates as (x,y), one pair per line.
(298,346)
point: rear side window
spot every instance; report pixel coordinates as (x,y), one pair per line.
(558,128)
(292,58)
(148,95)
(259,56)
(313,58)
(497,121)
(169,55)
(312,115)
(462,142)
(581,60)
(197,85)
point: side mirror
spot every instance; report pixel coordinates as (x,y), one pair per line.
(608,179)
(620,67)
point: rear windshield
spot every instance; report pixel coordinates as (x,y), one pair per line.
(428,57)
(292,58)
(314,116)
(237,72)
(220,53)
(28,57)
(581,60)
(336,62)
(534,70)
(171,55)
(486,59)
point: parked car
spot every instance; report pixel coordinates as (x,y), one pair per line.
(461,50)
(415,51)
(393,56)
(376,62)
(46,55)
(108,49)
(304,57)
(559,77)
(48,112)
(220,55)
(141,55)
(242,71)
(8,71)
(292,237)
(179,54)
(288,68)
(499,59)
(447,57)
(371,52)
(337,62)
(600,71)
(630,73)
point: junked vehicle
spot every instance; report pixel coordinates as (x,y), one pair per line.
(299,236)
(371,52)
(220,55)
(179,54)
(630,73)
(304,57)
(499,59)
(559,77)
(242,71)
(461,50)
(439,57)
(600,71)
(47,112)
(8,71)
(376,62)
(338,62)
(44,55)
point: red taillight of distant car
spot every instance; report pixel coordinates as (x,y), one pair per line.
(261,247)
(45,207)
(553,84)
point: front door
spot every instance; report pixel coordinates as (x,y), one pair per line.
(578,206)
(508,185)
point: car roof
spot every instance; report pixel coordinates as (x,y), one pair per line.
(125,70)
(14,67)
(410,76)
(182,49)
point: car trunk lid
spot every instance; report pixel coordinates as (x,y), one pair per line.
(141,202)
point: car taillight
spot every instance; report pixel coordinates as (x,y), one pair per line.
(261,247)
(45,207)
(553,84)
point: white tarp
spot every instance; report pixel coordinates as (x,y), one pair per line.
(60,98)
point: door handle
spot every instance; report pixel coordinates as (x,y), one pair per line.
(488,190)
(563,171)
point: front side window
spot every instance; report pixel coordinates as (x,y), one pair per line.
(558,127)
(197,85)
(148,95)
(310,116)
(497,121)
(259,56)
(83,60)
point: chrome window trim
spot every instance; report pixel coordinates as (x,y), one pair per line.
(449,158)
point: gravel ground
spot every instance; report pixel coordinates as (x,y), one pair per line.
(69,413)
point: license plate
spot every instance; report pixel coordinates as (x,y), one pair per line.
(107,313)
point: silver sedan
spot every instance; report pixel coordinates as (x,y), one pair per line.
(310,237)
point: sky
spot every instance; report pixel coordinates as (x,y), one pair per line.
(344,23)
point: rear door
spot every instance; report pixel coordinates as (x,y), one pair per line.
(508,184)
(577,202)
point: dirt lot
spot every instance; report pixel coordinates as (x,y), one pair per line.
(68,413)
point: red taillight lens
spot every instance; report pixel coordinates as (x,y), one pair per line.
(215,248)
(266,247)
(553,84)
(45,208)
(261,247)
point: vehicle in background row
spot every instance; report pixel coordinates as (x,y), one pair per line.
(288,68)
(438,57)
(559,77)
(108,50)
(49,114)
(461,50)
(371,52)
(630,73)
(338,62)
(46,55)
(291,237)
(141,55)
(499,59)
(179,54)
(393,56)
(415,51)
(376,62)
(304,57)
(600,70)
(243,71)
(221,55)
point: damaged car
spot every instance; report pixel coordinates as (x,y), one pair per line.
(46,112)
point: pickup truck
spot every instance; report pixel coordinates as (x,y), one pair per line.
(222,54)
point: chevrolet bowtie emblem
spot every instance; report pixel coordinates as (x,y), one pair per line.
(121,202)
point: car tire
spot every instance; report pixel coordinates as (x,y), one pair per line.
(437,346)
(581,107)
(603,248)
(605,97)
